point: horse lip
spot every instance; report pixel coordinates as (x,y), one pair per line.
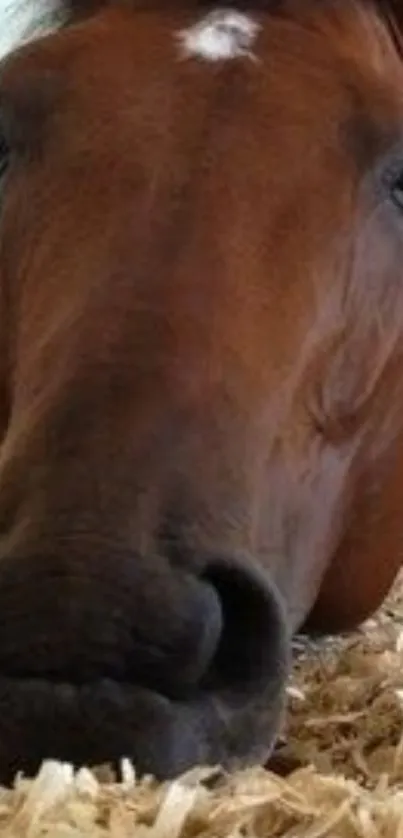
(65,690)
(92,723)
(103,721)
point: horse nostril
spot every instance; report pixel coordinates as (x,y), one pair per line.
(253,652)
(202,625)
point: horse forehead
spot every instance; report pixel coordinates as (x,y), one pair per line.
(289,66)
(223,33)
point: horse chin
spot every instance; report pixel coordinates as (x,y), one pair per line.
(104,721)
(98,722)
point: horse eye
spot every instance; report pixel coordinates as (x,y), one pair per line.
(396,191)
(4,156)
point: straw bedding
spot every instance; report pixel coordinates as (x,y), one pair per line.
(342,744)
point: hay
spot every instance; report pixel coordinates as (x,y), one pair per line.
(343,736)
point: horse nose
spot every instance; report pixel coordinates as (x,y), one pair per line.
(99,660)
(140,621)
(125,619)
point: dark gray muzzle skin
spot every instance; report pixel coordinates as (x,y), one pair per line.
(75,686)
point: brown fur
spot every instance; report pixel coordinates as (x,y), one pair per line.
(202,333)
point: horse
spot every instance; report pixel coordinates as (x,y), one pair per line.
(201,350)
